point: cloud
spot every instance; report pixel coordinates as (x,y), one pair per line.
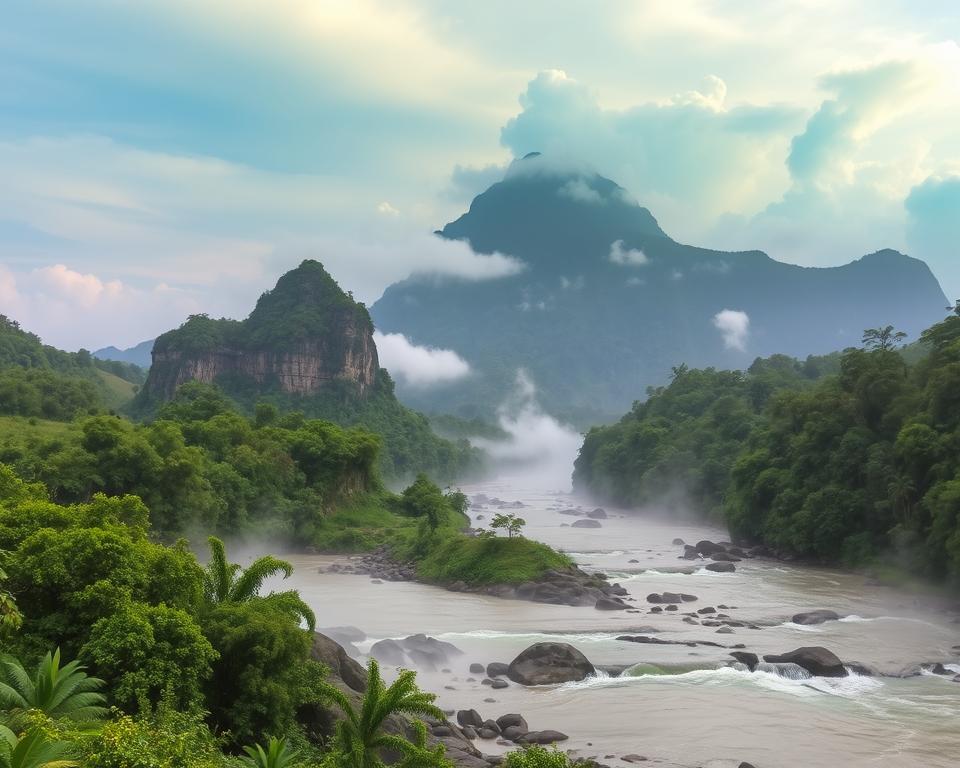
(71,309)
(386,209)
(933,227)
(693,151)
(539,450)
(734,326)
(580,191)
(418,366)
(627,256)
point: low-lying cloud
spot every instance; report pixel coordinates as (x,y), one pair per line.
(540,451)
(419,366)
(628,257)
(734,326)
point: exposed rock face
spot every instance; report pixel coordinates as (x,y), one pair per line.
(305,370)
(301,338)
(549,664)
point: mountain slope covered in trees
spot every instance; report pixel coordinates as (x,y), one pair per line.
(856,463)
(605,302)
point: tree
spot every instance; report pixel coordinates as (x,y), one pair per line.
(264,673)
(359,738)
(512,524)
(32,750)
(424,499)
(278,754)
(226,582)
(882,339)
(59,692)
(677,371)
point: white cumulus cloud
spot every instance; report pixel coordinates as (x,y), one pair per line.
(418,366)
(734,326)
(626,256)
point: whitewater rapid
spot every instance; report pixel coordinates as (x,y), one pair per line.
(674,704)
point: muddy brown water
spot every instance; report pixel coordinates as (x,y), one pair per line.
(679,706)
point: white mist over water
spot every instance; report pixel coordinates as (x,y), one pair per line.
(540,450)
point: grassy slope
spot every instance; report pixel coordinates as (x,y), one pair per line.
(22,428)
(490,561)
(116,392)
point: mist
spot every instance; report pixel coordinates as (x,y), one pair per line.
(540,450)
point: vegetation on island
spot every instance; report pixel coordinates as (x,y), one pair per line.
(855,465)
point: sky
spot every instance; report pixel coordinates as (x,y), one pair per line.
(166,157)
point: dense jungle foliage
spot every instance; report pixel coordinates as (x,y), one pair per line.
(856,464)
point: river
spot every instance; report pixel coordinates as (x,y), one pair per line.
(682,707)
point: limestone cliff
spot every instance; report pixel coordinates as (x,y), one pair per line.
(305,337)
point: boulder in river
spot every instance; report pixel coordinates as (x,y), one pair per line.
(388,651)
(814,617)
(477,669)
(598,514)
(724,557)
(610,604)
(542,737)
(587,523)
(678,542)
(549,664)
(750,660)
(497,668)
(707,548)
(512,719)
(815,659)
(721,567)
(469,717)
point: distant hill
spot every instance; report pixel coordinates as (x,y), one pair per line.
(138,355)
(608,303)
(39,380)
(307,346)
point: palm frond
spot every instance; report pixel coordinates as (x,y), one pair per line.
(249,582)
(291,602)
(218,574)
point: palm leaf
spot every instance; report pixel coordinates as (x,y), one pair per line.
(249,582)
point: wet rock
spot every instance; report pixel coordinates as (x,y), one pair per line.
(678,542)
(486,733)
(750,660)
(598,514)
(469,732)
(388,651)
(656,609)
(707,548)
(814,617)
(335,658)
(587,524)
(708,609)
(477,669)
(672,608)
(512,719)
(633,561)
(542,737)
(724,557)
(469,717)
(721,567)
(491,725)
(815,659)
(498,684)
(610,604)
(513,732)
(724,631)
(497,668)
(549,664)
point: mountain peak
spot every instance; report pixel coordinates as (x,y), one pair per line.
(556,213)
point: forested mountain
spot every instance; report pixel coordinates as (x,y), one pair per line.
(607,303)
(42,381)
(851,461)
(308,347)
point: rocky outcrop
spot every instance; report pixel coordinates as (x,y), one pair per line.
(814,617)
(549,664)
(303,337)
